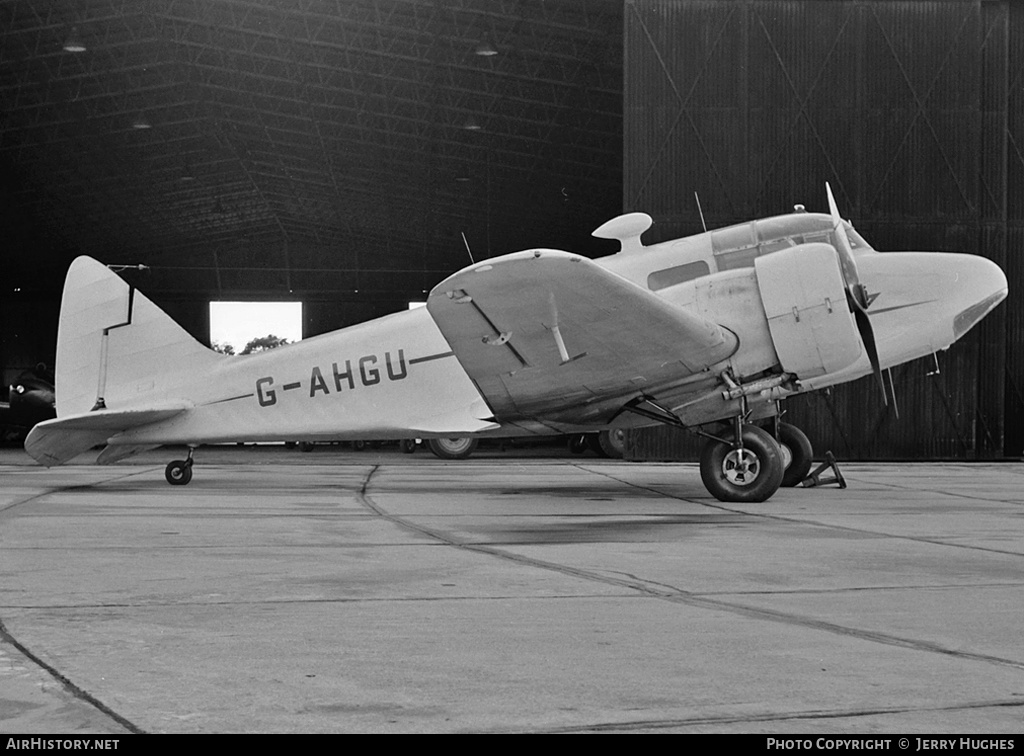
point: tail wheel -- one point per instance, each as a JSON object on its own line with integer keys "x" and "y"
{"x": 178, "y": 472}
{"x": 751, "y": 473}
{"x": 452, "y": 448}
{"x": 797, "y": 454}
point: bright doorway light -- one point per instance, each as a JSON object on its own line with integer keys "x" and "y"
{"x": 235, "y": 324}
{"x": 416, "y": 305}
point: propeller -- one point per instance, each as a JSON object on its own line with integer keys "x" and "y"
{"x": 856, "y": 293}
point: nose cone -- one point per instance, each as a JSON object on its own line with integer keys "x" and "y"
{"x": 983, "y": 287}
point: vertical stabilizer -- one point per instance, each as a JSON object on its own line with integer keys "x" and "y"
{"x": 115, "y": 348}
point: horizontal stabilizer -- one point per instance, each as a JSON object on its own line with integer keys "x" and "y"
{"x": 113, "y": 454}
{"x": 54, "y": 442}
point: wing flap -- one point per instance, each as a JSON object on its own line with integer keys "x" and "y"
{"x": 543, "y": 330}
{"x": 54, "y": 442}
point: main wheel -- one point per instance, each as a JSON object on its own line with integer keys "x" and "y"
{"x": 178, "y": 472}
{"x": 612, "y": 442}
{"x": 750, "y": 474}
{"x": 797, "y": 454}
{"x": 452, "y": 448}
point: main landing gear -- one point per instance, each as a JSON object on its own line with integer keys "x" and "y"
{"x": 179, "y": 472}
{"x": 742, "y": 462}
{"x": 747, "y": 469}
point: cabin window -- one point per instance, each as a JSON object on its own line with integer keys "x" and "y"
{"x": 662, "y": 279}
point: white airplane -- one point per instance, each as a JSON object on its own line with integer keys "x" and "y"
{"x": 709, "y": 333}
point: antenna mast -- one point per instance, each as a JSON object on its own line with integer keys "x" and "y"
{"x": 468, "y": 250}
{"x": 701, "y": 212}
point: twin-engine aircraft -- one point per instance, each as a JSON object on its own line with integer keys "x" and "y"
{"x": 709, "y": 333}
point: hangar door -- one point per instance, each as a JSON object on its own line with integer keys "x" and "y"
{"x": 913, "y": 111}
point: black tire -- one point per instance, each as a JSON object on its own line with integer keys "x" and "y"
{"x": 452, "y": 448}
{"x": 750, "y": 474}
{"x": 797, "y": 454}
{"x": 612, "y": 443}
{"x": 178, "y": 472}
{"x": 358, "y": 445}
{"x": 407, "y": 445}
{"x": 305, "y": 446}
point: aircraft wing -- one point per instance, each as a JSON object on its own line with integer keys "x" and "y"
{"x": 54, "y": 442}
{"x": 542, "y": 332}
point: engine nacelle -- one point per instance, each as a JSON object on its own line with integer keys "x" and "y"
{"x": 804, "y": 298}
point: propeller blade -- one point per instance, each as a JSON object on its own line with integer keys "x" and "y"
{"x": 846, "y": 261}
{"x": 867, "y": 335}
{"x": 856, "y": 292}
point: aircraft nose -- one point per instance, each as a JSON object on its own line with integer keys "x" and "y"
{"x": 984, "y": 287}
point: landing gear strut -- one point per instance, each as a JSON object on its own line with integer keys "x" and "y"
{"x": 179, "y": 472}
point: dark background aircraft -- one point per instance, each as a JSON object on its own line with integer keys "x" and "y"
{"x": 29, "y": 401}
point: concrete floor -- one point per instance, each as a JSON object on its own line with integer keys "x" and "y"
{"x": 378, "y": 592}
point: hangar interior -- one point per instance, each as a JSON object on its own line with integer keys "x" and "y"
{"x": 344, "y": 153}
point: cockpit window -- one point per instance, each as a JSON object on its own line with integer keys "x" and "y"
{"x": 732, "y": 238}
{"x": 856, "y": 240}
{"x": 738, "y": 246}
{"x": 662, "y": 279}
{"x": 792, "y": 227}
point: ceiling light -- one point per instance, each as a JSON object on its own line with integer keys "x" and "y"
{"x": 485, "y": 49}
{"x": 74, "y": 42}
{"x": 471, "y": 124}
{"x": 141, "y": 122}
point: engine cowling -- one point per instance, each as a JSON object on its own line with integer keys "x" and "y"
{"x": 804, "y": 297}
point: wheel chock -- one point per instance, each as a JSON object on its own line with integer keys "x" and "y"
{"x": 815, "y": 479}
